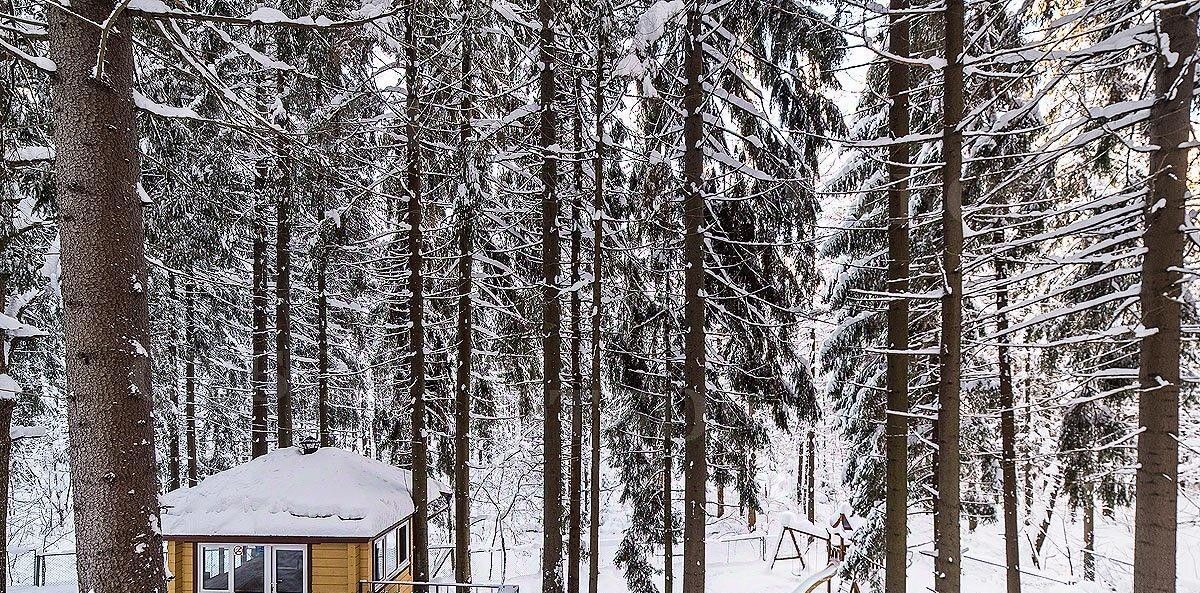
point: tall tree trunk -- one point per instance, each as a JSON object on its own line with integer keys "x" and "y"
{"x": 8, "y": 402}
{"x": 462, "y": 408}
{"x": 1008, "y": 440}
{"x": 695, "y": 462}
{"x": 751, "y": 508}
{"x": 258, "y": 342}
{"x": 597, "y": 309}
{"x": 324, "y": 434}
{"x": 189, "y": 380}
{"x": 464, "y": 327}
{"x": 283, "y": 291}
{"x": 416, "y": 334}
{"x": 258, "y": 299}
{"x": 575, "y": 496}
{"x": 1044, "y": 528}
{"x": 811, "y": 478}
{"x": 811, "y": 451}
{"x": 1027, "y": 477}
{"x": 1156, "y": 506}
{"x": 106, "y": 330}
{"x": 174, "y": 472}
{"x": 324, "y": 186}
{"x": 948, "y": 510}
{"x": 1089, "y": 535}
{"x": 896, "y": 423}
{"x": 258, "y": 292}
{"x": 668, "y": 433}
{"x": 552, "y": 545}
{"x": 800, "y": 481}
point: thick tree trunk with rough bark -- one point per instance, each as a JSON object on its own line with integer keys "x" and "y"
{"x": 948, "y": 506}
{"x": 896, "y": 422}
{"x": 597, "y": 294}
{"x": 106, "y": 331}
{"x": 695, "y": 461}
{"x": 1156, "y": 506}
{"x": 552, "y": 542}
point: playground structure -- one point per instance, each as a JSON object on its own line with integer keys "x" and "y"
{"x": 838, "y": 537}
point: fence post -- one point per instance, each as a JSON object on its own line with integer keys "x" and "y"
{"x": 37, "y": 569}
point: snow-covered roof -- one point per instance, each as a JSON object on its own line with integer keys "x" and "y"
{"x": 328, "y": 493}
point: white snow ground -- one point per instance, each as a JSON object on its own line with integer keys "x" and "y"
{"x": 735, "y": 566}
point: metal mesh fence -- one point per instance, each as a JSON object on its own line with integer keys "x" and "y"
{"x": 32, "y": 568}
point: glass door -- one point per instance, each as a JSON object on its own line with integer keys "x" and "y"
{"x": 289, "y": 571}
{"x": 249, "y": 569}
{"x": 253, "y": 568}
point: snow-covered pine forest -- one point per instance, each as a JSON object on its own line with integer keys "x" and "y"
{"x": 662, "y": 295}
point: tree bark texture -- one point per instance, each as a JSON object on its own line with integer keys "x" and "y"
{"x": 1156, "y": 502}
{"x": 104, "y": 289}
{"x": 896, "y": 423}
{"x": 695, "y": 461}
{"x": 597, "y": 323}
{"x": 416, "y": 296}
{"x": 948, "y": 505}
{"x": 1008, "y": 444}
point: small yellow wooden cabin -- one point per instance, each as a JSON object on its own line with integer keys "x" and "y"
{"x": 320, "y": 520}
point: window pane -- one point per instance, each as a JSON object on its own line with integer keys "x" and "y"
{"x": 249, "y": 569}
{"x": 215, "y": 568}
{"x": 402, "y": 536}
{"x": 289, "y": 571}
{"x": 377, "y": 565}
{"x": 390, "y": 542}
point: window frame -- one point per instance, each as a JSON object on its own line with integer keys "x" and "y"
{"x": 268, "y": 564}
{"x": 379, "y": 557}
{"x": 403, "y": 544}
{"x": 401, "y": 534}
{"x": 305, "y": 587}
{"x": 201, "y": 575}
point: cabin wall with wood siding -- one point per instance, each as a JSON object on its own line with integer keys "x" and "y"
{"x": 181, "y": 565}
{"x": 334, "y": 568}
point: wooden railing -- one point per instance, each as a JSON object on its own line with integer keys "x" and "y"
{"x": 439, "y": 587}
